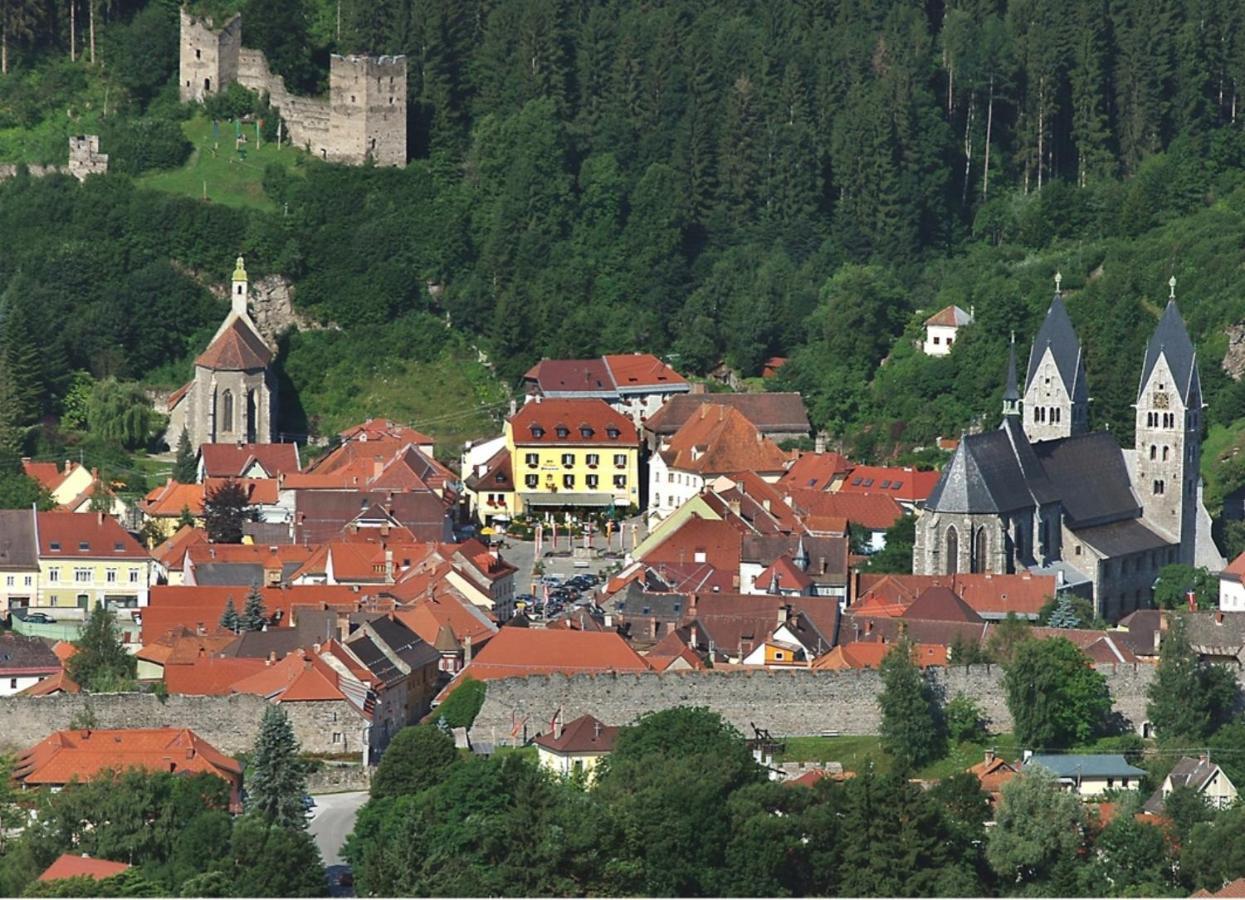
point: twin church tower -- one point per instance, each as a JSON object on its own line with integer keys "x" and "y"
{"x": 1044, "y": 494}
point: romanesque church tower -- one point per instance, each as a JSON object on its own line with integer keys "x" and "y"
{"x": 233, "y": 397}
{"x": 1056, "y": 398}
{"x": 1168, "y": 432}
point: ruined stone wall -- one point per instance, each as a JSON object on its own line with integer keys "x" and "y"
{"x": 794, "y": 702}
{"x": 84, "y": 159}
{"x": 363, "y": 117}
{"x": 229, "y": 723}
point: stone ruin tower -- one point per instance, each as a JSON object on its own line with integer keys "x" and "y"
{"x": 363, "y": 119}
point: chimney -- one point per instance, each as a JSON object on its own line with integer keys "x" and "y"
{"x": 272, "y": 657}
{"x": 467, "y": 649}
{"x": 819, "y": 442}
{"x": 99, "y": 517}
{"x": 315, "y": 648}
{"x": 389, "y": 565}
{"x": 190, "y": 753}
{"x": 1219, "y": 618}
{"x": 596, "y": 729}
{"x": 821, "y": 564}
{"x": 514, "y": 407}
{"x": 692, "y": 637}
{"x": 68, "y": 466}
{"x": 377, "y": 468}
{"x": 990, "y": 755}
{"x": 1028, "y": 755}
{"x": 702, "y": 409}
{"x": 538, "y": 398}
{"x": 784, "y": 613}
{"x": 85, "y": 733}
{"x": 734, "y": 505}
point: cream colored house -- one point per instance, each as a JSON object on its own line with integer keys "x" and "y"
{"x": 575, "y": 748}
{"x": 1201, "y": 775}
{"x": 1089, "y": 774}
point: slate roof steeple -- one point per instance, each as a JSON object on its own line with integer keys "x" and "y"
{"x": 1171, "y": 339}
{"x": 1058, "y": 335}
{"x": 1011, "y": 393}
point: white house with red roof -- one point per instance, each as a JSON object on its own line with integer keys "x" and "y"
{"x": 1232, "y": 587}
{"x": 635, "y": 384}
{"x": 942, "y": 329}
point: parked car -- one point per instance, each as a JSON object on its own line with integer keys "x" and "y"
{"x": 38, "y": 618}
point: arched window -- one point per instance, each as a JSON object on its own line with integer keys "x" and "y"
{"x": 226, "y": 411}
{"x": 953, "y": 551}
{"x": 1166, "y": 450}
{"x": 978, "y": 562}
{"x": 250, "y": 417}
{"x": 1153, "y": 451}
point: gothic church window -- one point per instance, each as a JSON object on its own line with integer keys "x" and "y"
{"x": 226, "y": 415}
{"x": 1154, "y": 451}
{"x": 978, "y": 563}
{"x": 953, "y": 551}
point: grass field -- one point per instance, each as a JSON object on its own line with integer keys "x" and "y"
{"x": 218, "y": 172}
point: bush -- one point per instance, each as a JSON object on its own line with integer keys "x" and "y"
{"x": 965, "y": 721}
{"x": 137, "y": 145}
{"x": 462, "y": 706}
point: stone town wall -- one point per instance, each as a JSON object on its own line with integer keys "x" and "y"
{"x": 228, "y": 723}
{"x": 794, "y": 702}
{"x": 84, "y": 159}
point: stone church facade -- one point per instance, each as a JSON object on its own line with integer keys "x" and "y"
{"x": 233, "y": 396}
{"x": 1042, "y": 493}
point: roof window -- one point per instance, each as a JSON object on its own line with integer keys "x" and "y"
{"x": 563, "y": 431}
{"x": 118, "y": 546}
{"x": 868, "y": 482}
{"x": 896, "y": 485}
{"x": 586, "y": 431}
{"x": 54, "y": 545}
{"x": 613, "y": 433}
{"x": 855, "y": 482}
{"x": 84, "y": 546}
{"x": 537, "y": 431}
{"x": 886, "y": 482}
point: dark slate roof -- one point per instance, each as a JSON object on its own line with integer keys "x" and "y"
{"x": 1171, "y": 339}
{"x": 1011, "y": 391}
{"x": 982, "y": 477}
{"x": 405, "y": 643}
{"x": 634, "y": 602}
{"x": 1037, "y": 480}
{"x": 26, "y": 655}
{"x": 1121, "y": 538}
{"x": 764, "y": 549}
{"x": 320, "y": 515}
{"x": 17, "y": 539}
{"x": 267, "y": 532}
{"x": 220, "y": 574}
{"x": 1092, "y": 477}
{"x": 1058, "y": 335}
{"x": 374, "y": 658}
{"x": 1085, "y": 765}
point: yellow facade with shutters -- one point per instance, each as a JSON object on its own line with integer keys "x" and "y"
{"x": 75, "y": 583}
{"x": 552, "y": 475}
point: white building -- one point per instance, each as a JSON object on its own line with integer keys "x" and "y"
{"x": 1231, "y": 588}
{"x": 941, "y": 329}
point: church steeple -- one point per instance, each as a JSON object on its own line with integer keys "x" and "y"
{"x": 1011, "y": 393}
{"x": 238, "y": 290}
{"x": 1056, "y": 397}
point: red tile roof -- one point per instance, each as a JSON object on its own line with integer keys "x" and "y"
{"x": 65, "y": 535}
{"x": 720, "y": 544}
{"x": 534, "y": 651}
{"x": 784, "y": 575}
{"x": 299, "y": 677}
{"x": 237, "y": 348}
{"x": 571, "y": 375}
{"x": 585, "y": 423}
{"x": 226, "y": 460}
{"x": 68, "y": 865}
{"x": 169, "y": 499}
{"x": 815, "y": 471}
{"x": 906, "y": 485}
{"x": 48, "y": 474}
{"x": 633, "y": 371}
{"x": 988, "y": 594}
{"x": 942, "y": 605}
{"x": 950, "y": 317}
{"x": 67, "y": 755}
{"x": 877, "y": 512}
{"x": 993, "y": 774}
{"x": 377, "y": 429}
{"x": 586, "y": 734}
{"x": 172, "y": 553}
{"x": 192, "y": 606}
{"x": 770, "y": 367}
{"x": 869, "y": 655}
{"x": 720, "y": 440}
{"x": 427, "y": 616}
{"x": 211, "y": 676}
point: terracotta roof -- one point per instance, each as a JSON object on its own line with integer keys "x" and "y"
{"x": 813, "y": 776}
{"x": 581, "y": 422}
{"x": 772, "y": 413}
{"x": 177, "y": 395}
{"x": 59, "y": 683}
{"x": 238, "y": 347}
{"x": 563, "y": 375}
{"x": 448, "y": 610}
{"x": 869, "y": 655}
{"x": 784, "y": 575}
{"x": 172, "y": 552}
{"x": 497, "y": 475}
{"x": 82, "y": 754}
{"x": 531, "y": 651}
{"x": 192, "y": 606}
{"x": 718, "y": 542}
{"x": 299, "y": 677}
{"x": 259, "y": 491}
{"x": 169, "y": 499}
{"x": 950, "y": 317}
{"x": 1231, "y": 889}
{"x": 1235, "y": 570}
{"x": 770, "y": 367}
{"x": 988, "y": 594}
{"x": 586, "y": 734}
{"x": 65, "y": 535}
{"x": 720, "y": 440}
{"x": 993, "y": 773}
{"x": 211, "y": 676}
{"x": 636, "y": 371}
{"x": 324, "y": 515}
{"x": 376, "y": 429}
{"x": 64, "y": 650}
{"x": 815, "y": 471}
{"x": 68, "y": 865}
{"x": 48, "y": 474}
{"x": 877, "y": 512}
{"x": 233, "y": 460}
{"x": 941, "y": 604}
{"x": 906, "y": 485}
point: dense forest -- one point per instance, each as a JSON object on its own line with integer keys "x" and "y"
{"x": 714, "y": 182}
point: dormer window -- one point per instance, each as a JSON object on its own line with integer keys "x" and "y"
{"x": 586, "y": 431}
{"x": 55, "y": 545}
{"x": 119, "y": 547}
{"x": 563, "y": 431}
{"x": 537, "y": 431}
{"x": 83, "y": 546}
{"x": 613, "y": 433}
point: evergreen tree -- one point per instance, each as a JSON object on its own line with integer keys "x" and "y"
{"x": 21, "y": 356}
{"x": 1064, "y": 614}
{"x": 185, "y": 517}
{"x": 1187, "y": 699}
{"x": 277, "y": 780}
{"x": 230, "y": 620}
{"x": 225, "y": 509}
{"x": 417, "y": 758}
{"x": 1055, "y": 696}
{"x": 184, "y": 469}
{"x": 101, "y": 663}
{"x": 254, "y": 616}
{"x": 913, "y": 731}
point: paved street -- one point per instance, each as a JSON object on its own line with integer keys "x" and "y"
{"x": 523, "y": 555}
{"x": 331, "y": 822}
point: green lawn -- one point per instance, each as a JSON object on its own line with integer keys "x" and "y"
{"x": 217, "y": 172}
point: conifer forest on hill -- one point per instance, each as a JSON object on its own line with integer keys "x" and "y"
{"x": 712, "y": 181}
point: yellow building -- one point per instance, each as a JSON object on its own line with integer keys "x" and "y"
{"x": 572, "y": 454}
{"x": 576, "y": 748}
{"x": 87, "y": 559}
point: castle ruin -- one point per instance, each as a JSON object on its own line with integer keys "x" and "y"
{"x": 84, "y": 159}
{"x": 364, "y": 117}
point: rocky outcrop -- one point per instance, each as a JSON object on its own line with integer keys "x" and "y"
{"x": 272, "y": 307}
{"x": 1234, "y": 359}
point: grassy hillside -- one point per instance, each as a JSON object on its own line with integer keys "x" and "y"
{"x": 219, "y": 172}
